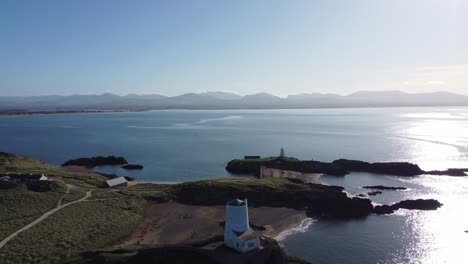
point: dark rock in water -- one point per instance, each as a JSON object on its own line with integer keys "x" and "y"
{"x": 96, "y": 161}
{"x": 383, "y": 209}
{"x": 390, "y": 168}
{"x": 374, "y": 193}
{"x": 420, "y": 204}
{"x": 466, "y": 231}
{"x": 450, "y": 172}
{"x": 381, "y": 187}
{"x": 128, "y": 178}
{"x": 341, "y": 208}
{"x": 132, "y": 167}
{"x": 362, "y": 195}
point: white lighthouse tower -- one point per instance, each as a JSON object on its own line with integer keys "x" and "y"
{"x": 237, "y": 232}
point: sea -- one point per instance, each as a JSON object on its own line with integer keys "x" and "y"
{"x": 183, "y": 145}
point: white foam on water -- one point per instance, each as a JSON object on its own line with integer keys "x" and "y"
{"x": 301, "y": 228}
{"x": 230, "y": 117}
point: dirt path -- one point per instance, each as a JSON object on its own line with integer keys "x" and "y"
{"x": 61, "y": 198}
{"x": 45, "y": 215}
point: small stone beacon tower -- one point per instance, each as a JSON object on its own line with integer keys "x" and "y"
{"x": 282, "y": 155}
{"x": 237, "y": 232}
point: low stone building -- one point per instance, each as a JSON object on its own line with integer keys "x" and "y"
{"x": 117, "y": 182}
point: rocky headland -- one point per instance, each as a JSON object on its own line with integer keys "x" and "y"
{"x": 419, "y": 204}
{"x": 339, "y": 167}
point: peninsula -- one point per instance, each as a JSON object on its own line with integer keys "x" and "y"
{"x": 75, "y": 218}
{"x": 341, "y": 167}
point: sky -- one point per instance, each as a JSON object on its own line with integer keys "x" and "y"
{"x": 244, "y": 46}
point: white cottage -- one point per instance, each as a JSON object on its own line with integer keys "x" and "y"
{"x": 117, "y": 182}
{"x": 237, "y": 232}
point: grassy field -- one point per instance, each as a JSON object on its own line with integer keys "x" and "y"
{"x": 104, "y": 219}
{"x": 21, "y": 206}
{"x": 74, "y": 229}
{"x": 10, "y": 163}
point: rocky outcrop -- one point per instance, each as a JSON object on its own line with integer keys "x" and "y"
{"x": 374, "y": 193}
{"x": 132, "y": 167}
{"x": 450, "y": 172}
{"x": 381, "y": 187}
{"x": 390, "y": 168}
{"x": 420, "y": 204}
{"x": 339, "y": 167}
{"x": 252, "y": 167}
{"x": 318, "y": 200}
{"x": 96, "y": 161}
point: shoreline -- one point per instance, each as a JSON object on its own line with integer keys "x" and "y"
{"x": 30, "y": 113}
{"x": 70, "y": 112}
{"x": 173, "y": 223}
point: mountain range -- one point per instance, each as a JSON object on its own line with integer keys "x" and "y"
{"x": 224, "y": 100}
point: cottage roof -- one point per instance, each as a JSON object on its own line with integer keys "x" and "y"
{"x": 116, "y": 181}
{"x": 247, "y": 235}
{"x": 236, "y": 202}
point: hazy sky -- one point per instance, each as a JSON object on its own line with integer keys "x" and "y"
{"x": 282, "y": 47}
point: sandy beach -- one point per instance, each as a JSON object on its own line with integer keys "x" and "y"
{"x": 173, "y": 223}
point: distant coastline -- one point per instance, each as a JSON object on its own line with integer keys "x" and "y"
{"x": 225, "y": 101}
{"x": 29, "y": 113}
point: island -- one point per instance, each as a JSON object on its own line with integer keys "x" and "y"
{"x": 132, "y": 167}
{"x": 341, "y": 167}
{"x": 96, "y": 161}
{"x": 78, "y": 220}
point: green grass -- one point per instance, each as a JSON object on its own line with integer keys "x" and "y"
{"x": 11, "y": 163}
{"x": 21, "y": 206}
{"x": 80, "y": 227}
{"x": 110, "y": 216}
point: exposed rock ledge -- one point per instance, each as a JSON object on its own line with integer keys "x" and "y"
{"x": 96, "y": 161}
{"x": 381, "y": 187}
{"x": 419, "y": 204}
{"x": 132, "y": 167}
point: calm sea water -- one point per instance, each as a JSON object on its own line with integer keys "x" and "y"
{"x": 188, "y": 145}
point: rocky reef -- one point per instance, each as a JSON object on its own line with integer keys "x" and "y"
{"x": 381, "y": 187}
{"x": 132, "y": 167}
{"x": 96, "y": 161}
{"x": 339, "y": 167}
{"x": 389, "y": 168}
{"x": 420, "y": 204}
